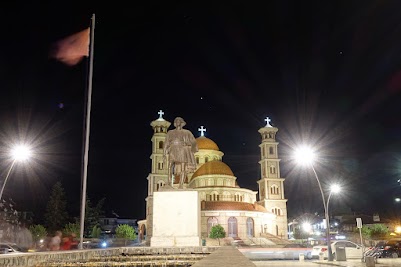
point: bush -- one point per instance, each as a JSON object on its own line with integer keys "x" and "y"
{"x": 125, "y": 231}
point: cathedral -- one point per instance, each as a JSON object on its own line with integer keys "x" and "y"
{"x": 243, "y": 213}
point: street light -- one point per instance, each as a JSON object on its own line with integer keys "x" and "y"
{"x": 18, "y": 153}
{"x": 306, "y": 156}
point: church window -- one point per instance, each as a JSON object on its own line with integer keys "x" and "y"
{"x": 232, "y": 227}
{"x": 211, "y": 221}
{"x": 262, "y": 192}
{"x": 159, "y": 185}
{"x": 202, "y": 182}
{"x": 271, "y": 150}
{"x": 272, "y": 169}
{"x": 263, "y": 152}
{"x": 160, "y": 165}
{"x": 197, "y": 160}
{"x": 161, "y": 145}
{"x": 219, "y": 181}
{"x": 206, "y": 159}
{"x": 214, "y": 196}
{"x": 276, "y": 211}
{"x": 274, "y": 190}
{"x": 210, "y": 182}
{"x": 249, "y": 227}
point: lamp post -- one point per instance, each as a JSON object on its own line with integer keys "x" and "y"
{"x": 306, "y": 156}
{"x": 18, "y": 153}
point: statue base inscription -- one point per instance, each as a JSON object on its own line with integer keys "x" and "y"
{"x": 176, "y": 219}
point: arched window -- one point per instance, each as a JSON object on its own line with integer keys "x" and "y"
{"x": 161, "y": 145}
{"x": 274, "y": 190}
{"x": 197, "y": 160}
{"x": 272, "y": 169}
{"x": 206, "y": 159}
{"x": 249, "y": 227}
{"x": 160, "y": 165}
{"x": 211, "y": 221}
{"x": 271, "y": 150}
{"x": 276, "y": 211}
{"x": 232, "y": 227}
{"x": 215, "y": 196}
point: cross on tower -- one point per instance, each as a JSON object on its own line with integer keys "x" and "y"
{"x": 268, "y": 120}
{"x": 202, "y": 130}
{"x": 161, "y": 113}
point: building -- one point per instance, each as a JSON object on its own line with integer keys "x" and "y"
{"x": 242, "y": 212}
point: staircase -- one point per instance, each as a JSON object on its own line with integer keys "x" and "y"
{"x": 275, "y": 239}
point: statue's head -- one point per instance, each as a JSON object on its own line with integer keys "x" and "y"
{"x": 179, "y": 121}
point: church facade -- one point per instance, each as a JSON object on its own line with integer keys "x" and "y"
{"x": 242, "y": 212}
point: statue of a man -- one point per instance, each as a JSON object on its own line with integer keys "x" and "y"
{"x": 180, "y": 146}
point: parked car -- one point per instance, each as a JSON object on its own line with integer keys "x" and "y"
{"x": 352, "y": 250}
{"x": 6, "y": 248}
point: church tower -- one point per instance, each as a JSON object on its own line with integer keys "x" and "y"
{"x": 158, "y": 176}
{"x": 271, "y": 185}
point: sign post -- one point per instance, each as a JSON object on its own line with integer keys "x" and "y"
{"x": 359, "y": 225}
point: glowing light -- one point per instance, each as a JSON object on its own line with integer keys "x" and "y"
{"x": 21, "y": 153}
{"x": 304, "y": 155}
{"x": 307, "y": 227}
{"x": 335, "y": 188}
{"x": 398, "y": 229}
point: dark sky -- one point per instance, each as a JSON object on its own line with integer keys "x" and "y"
{"x": 326, "y": 73}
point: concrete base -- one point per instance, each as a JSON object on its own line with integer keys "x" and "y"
{"x": 176, "y": 219}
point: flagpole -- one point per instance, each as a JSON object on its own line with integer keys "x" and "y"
{"x": 87, "y": 130}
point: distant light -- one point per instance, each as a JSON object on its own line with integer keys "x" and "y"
{"x": 341, "y": 237}
{"x": 306, "y": 227}
{"x": 398, "y": 229}
{"x": 104, "y": 244}
{"x": 335, "y": 188}
{"x": 397, "y": 199}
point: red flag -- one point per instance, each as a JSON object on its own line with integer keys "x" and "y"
{"x": 72, "y": 49}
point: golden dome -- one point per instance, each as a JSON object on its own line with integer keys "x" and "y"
{"x": 206, "y": 143}
{"x": 213, "y": 167}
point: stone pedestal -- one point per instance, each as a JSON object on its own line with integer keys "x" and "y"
{"x": 176, "y": 218}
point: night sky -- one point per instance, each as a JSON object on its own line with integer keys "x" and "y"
{"x": 327, "y": 73}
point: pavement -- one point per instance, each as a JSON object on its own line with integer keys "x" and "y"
{"x": 231, "y": 257}
{"x": 359, "y": 263}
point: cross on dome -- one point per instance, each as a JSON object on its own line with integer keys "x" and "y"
{"x": 202, "y": 130}
{"x": 161, "y": 113}
{"x": 268, "y": 120}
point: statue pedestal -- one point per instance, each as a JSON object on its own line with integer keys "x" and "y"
{"x": 176, "y": 218}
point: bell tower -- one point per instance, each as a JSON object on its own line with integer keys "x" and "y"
{"x": 271, "y": 185}
{"x": 158, "y": 176}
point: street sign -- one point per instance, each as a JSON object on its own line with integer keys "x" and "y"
{"x": 359, "y": 223}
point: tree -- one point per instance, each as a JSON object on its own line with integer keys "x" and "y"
{"x": 56, "y": 213}
{"x": 125, "y": 231}
{"x": 375, "y": 231}
{"x": 217, "y": 231}
{"x": 96, "y": 231}
{"x": 72, "y": 228}
{"x": 93, "y": 214}
{"x": 38, "y": 232}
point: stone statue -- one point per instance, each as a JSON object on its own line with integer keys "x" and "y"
{"x": 180, "y": 146}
